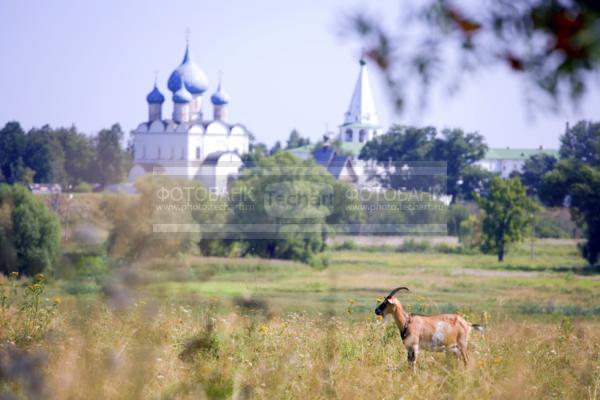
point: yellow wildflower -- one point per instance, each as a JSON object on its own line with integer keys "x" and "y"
{"x": 34, "y": 287}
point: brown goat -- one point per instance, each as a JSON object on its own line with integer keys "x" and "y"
{"x": 440, "y": 332}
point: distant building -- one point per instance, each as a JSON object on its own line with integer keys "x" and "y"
{"x": 189, "y": 145}
{"x": 340, "y": 166}
{"x": 505, "y": 161}
{"x": 361, "y": 124}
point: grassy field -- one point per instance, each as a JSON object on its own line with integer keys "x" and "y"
{"x": 195, "y": 327}
{"x": 551, "y": 283}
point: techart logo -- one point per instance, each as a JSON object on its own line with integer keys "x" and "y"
{"x": 298, "y": 200}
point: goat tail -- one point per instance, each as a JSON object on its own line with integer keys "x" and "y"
{"x": 478, "y": 327}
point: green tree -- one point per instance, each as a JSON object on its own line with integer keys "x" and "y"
{"x": 402, "y": 145}
{"x": 534, "y": 170}
{"x": 276, "y": 148}
{"x": 585, "y": 204}
{"x": 508, "y": 213}
{"x": 577, "y": 185}
{"x": 458, "y": 150}
{"x": 61, "y": 155}
{"x": 29, "y": 232}
{"x": 475, "y": 180}
{"x": 574, "y": 182}
{"x": 295, "y": 140}
{"x": 12, "y": 146}
{"x": 290, "y": 202}
{"x": 256, "y": 151}
{"x": 79, "y": 152}
{"x": 45, "y": 155}
{"x": 581, "y": 142}
{"x": 399, "y": 147}
{"x": 112, "y": 160}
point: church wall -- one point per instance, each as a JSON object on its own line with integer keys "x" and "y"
{"x": 173, "y": 146}
{"x": 214, "y": 143}
{"x": 238, "y": 144}
{"x": 196, "y": 148}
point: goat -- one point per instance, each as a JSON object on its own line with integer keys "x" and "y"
{"x": 438, "y": 332}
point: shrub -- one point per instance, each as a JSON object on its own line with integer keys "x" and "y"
{"x": 469, "y": 234}
{"x": 457, "y": 213}
{"x": 547, "y": 229}
{"x": 29, "y": 232}
{"x": 82, "y": 187}
{"x": 132, "y": 235}
{"x": 319, "y": 262}
{"x": 445, "y": 248}
{"x": 414, "y": 246}
{"x": 347, "y": 245}
{"x": 555, "y": 223}
{"x": 88, "y": 275}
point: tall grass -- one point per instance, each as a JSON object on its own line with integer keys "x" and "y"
{"x": 190, "y": 327}
{"x": 208, "y": 351}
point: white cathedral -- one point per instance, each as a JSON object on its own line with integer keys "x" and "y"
{"x": 188, "y": 145}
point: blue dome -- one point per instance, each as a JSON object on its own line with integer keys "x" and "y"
{"x": 220, "y": 97}
{"x": 155, "y": 96}
{"x": 194, "y": 78}
{"x": 182, "y": 96}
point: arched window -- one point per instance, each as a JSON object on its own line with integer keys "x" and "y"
{"x": 348, "y": 135}
{"x": 143, "y": 152}
{"x": 362, "y": 135}
{"x": 198, "y": 153}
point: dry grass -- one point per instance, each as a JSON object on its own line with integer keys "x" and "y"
{"x": 184, "y": 328}
{"x": 97, "y": 353}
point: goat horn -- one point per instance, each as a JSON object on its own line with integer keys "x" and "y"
{"x": 393, "y": 292}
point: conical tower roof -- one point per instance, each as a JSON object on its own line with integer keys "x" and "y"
{"x": 362, "y": 106}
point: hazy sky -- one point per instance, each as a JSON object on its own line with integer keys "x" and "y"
{"x": 91, "y": 63}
